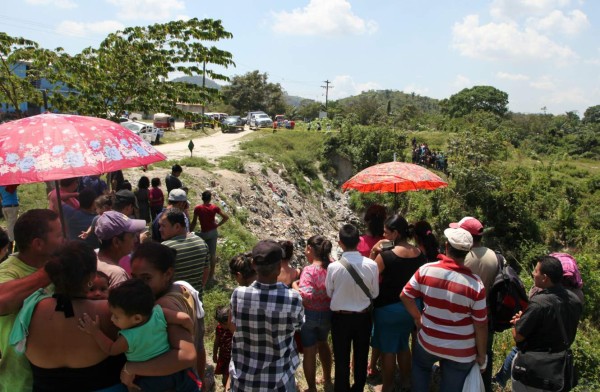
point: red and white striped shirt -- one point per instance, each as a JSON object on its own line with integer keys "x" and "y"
{"x": 454, "y": 300}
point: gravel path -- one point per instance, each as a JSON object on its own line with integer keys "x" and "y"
{"x": 208, "y": 147}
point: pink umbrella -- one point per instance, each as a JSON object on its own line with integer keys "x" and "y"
{"x": 50, "y": 147}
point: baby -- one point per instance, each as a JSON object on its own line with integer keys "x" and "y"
{"x": 143, "y": 334}
{"x": 99, "y": 287}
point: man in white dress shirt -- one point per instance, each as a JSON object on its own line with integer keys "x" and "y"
{"x": 351, "y": 320}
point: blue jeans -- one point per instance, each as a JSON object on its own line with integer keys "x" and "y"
{"x": 504, "y": 374}
{"x": 453, "y": 373}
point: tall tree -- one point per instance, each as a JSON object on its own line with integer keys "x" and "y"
{"x": 468, "y": 100}
{"x": 22, "y": 65}
{"x": 129, "y": 70}
{"x": 592, "y": 115}
{"x": 252, "y": 91}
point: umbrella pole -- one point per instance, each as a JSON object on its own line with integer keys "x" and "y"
{"x": 60, "y": 209}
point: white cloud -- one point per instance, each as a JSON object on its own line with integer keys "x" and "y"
{"x": 513, "y": 77}
{"x": 495, "y": 41}
{"x": 345, "y": 86}
{"x": 66, "y": 4}
{"x": 461, "y": 82}
{"x": 79, "y": 29}
{"x": 413, "y": 88}
{"x": 570, "y": 97}
{"x": 322, "y": 17}
{"x": 515, "y": 9}
{"x": 557, "y": 22}
{"x": 543, "y": 83}
{"x": 147, "y": 9}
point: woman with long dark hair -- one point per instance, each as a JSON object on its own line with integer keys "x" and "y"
{"x": 374, "y": 218}
{"x": 392, "y": 323}
{"x": 317, "y": 313}
{"x": 426, "y": 240}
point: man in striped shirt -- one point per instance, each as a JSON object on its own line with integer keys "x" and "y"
{"x": 453, "y": 325}
{"x": 191, "y": 265}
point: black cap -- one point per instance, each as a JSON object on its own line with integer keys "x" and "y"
{"x": 126, "y": 196}
{"x": 267, "y": 252}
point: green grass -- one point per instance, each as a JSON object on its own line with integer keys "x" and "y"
{"x": 296, "y": 152}
{"x": 233, "y": 163}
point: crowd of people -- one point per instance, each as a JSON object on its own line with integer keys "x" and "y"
{"x": 118, "y": 303}
{"x": 423, "y": 155}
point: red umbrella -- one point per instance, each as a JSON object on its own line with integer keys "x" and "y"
{"x": 50, "y": 147}
{"x": 394, "y": 177}
{"x": 55, "y": 146}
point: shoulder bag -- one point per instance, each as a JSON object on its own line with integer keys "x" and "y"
{"x": 547, "y": 370}
{"x": 358, "y": 280}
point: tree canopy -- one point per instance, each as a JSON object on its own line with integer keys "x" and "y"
{"x": 468, "y": 100}
{"x": 252, "y": 91}
{"x": 22, "y": 64}
{"x": 129, "y": 70}
{"x": 592, "y": 115}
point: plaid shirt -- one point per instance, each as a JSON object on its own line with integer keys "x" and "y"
{"x": 263, "y": 355}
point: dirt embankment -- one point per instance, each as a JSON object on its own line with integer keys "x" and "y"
{"x": 274, "y": 206}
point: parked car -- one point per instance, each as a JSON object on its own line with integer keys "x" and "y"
{"x": 149, "y": 133}
{"x": 232, "y": 124}
{"x": 261, "y": 120}
{"x": 249, "y": 116}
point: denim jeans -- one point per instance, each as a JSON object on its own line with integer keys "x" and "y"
{"x": 504, "y": 374}
{"x": 453, "y": 373}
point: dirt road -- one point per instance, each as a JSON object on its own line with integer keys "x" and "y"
{"x": 208, "y": 147}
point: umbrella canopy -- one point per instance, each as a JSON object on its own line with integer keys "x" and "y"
{"x": 55, "y": 146}
{"x": 394, "y": 177}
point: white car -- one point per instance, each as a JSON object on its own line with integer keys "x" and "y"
{"x": 261, "y": 120}
{"x": 148, "y": 132}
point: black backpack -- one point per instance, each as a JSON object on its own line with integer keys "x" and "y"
{"x": 507, "y": 296}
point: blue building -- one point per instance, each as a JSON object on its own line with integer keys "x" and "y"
{"x": 28, "y": 108}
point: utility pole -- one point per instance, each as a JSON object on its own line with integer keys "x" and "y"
{"x": 326, "y": 87}
{"x": 203, "y": 91}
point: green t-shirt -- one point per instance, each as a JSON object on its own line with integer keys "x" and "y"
{"x": 148, "y": 340}
{"x": 15, "y": 372}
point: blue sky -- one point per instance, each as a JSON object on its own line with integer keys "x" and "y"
{"x": 541, "y": 52}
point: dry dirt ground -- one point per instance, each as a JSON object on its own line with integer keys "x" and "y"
{"x": 209, "y": 147}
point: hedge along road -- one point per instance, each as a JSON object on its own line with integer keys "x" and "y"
{"x": 208, "y": 147}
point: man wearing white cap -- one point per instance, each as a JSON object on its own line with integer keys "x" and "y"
{"x": 452, "y": 328}
{"x": 483, "y": 262}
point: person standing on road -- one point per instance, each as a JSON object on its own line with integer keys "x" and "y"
{"x": 206, "y": 213}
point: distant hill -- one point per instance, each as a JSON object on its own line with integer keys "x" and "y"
{"x": 197, "y": 80}
{"x": 398, "y": 99}
{"x": 293, "y": 100}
